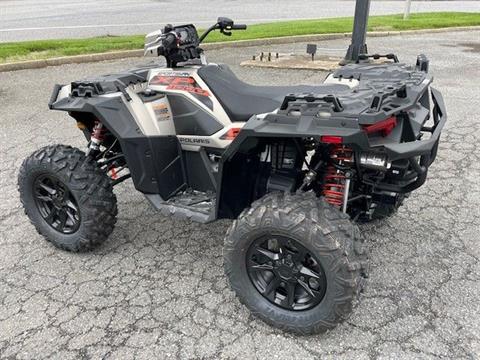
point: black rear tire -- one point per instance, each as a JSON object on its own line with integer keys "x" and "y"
{"x": 327, "y": 234}
{"x": 89, "y": 191}
{"x": 384, "y": 211}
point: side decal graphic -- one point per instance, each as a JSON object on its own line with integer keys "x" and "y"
{"x": 180, "y": 83}
{"x": 161, "y": 111}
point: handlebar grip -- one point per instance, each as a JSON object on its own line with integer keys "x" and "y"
{"x": 239, "y": 27}
{"x": 169, "y": 40}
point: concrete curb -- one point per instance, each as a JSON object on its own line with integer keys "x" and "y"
{"x": 36, "y": 64}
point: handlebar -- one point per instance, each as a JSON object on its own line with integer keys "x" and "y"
{"x": 225, "y": 25}
{"x": 169, "y": 40}
{"x": 181, "y": 43}
{"x": 239, "y": 27}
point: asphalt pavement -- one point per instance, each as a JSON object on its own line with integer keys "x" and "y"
{"x": 156, "y": 288}
{"x": 59, "y": 19}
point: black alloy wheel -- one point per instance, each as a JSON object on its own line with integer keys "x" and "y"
{"x": 67, "y": 197}
{"x": 296, "y": 262}
{"x": 286, "y": 273}
{"x": 56, "y": 204}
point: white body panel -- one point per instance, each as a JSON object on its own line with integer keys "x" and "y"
{"x": 217, "y": 111}
{"x": 155, "y": 118}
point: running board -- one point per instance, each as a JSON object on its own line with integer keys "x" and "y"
{"x": 190, "y": 204}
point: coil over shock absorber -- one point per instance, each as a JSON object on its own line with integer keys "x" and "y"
{"x": 337, "y": 182}
{"x": 98, "y": 134}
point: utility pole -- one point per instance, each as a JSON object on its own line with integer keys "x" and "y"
{"x": 406, "y": 12}
{"x": 359, "y": 34}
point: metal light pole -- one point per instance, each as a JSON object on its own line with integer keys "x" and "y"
{"x": 359, "y": 34}
{"x": 406, "y": 12}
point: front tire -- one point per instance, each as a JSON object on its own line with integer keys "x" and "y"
{"x": 68, "y": 199}
{"x": 308, "y": 263}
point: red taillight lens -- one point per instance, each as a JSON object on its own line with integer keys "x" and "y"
{"x": 231, "y": 134}
{"x": 329, "y": 139}
{"x": 385, "y": 127}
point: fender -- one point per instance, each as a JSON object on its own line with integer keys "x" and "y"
{"x": 152, "y": 160}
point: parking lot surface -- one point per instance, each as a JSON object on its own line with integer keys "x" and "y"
{"x": 59, "y": 19}
{"x": 156, "y": 289}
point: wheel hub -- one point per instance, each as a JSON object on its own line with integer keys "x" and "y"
{"x": 57, "y": 200}
{"x": 286, "y": 273}
{"x": 56, "y": 204}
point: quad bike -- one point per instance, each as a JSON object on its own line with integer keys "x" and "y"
{"x": 294, "y": 166}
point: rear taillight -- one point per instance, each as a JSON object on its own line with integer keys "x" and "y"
{"x": 231, "y": 134}
{"x": 384, "y": 127}
{"x": 330, "y": 139}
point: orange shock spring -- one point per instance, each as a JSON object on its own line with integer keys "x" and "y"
{"x": 98, "y": 132}
{"x": 334, "y": 187}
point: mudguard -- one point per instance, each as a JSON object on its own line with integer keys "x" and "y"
{"x": 155, "y": 162}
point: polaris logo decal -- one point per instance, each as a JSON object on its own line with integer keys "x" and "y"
{"x": 193, "y": 141}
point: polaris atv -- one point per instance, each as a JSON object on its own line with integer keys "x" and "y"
{"x": 294, "y": 166}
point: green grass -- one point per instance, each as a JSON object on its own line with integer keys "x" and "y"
{"x": 43, "y": 49}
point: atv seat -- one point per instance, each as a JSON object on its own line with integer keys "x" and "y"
{"x": 241, "y": 100}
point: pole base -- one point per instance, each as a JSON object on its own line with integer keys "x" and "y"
{"x": 353, "y": 52}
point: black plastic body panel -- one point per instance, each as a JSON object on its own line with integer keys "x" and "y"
{"x": 235, "y": 177}
{"x": 53, "y": 97}
{"x": 155, "y": 162}
{"x": 156, "y": 165}
{"x": 190, "y": 119}
{"x": 421, "y": 147}
{"x": 199, "y": 175}
{"x": 284, "y": 125}
{"x": 110, "y": 83}
{"x": 287, "y": 126}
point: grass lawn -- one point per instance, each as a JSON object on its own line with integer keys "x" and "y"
{"x": 43, "y": 49}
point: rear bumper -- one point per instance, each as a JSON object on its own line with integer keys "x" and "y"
{"x": 421, "y": 153}
{"x": 423, "y": 147}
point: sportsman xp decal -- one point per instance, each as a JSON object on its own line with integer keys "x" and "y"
{"x": 181, "y": 83}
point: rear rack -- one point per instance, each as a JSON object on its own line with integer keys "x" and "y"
{"x": 380, "y": 97}
{"x": 309, "y": 98}
{"x": 107, "y": 84}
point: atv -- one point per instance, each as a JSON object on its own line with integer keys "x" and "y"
{"x": 295, "y": 166}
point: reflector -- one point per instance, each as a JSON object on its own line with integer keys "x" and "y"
{"x": 329, "y": 139}
{"x": 385, "y": 126}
